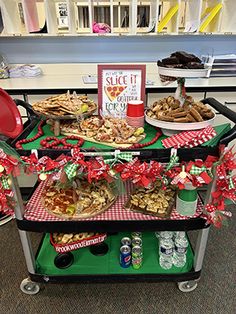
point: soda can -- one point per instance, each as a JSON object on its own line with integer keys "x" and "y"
{"x": 136, "y": 235}
{"x": 137, "y": 257}
{"x": 137, "y": 241}
{"x": 125, "y": 256}
{"x": 125, "y": 241}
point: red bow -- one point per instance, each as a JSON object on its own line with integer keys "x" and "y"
{"x": 9, "y": 163}
{"x": 97, "y": 170}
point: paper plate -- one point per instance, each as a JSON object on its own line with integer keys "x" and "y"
{"x": 10, "y": 118}
{"x": 172, "y": 72}
{"x": 170, "y": 128}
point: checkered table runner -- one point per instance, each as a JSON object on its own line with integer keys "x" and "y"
{"x": 36, "y": 212}
{"x": 189, "y": 139}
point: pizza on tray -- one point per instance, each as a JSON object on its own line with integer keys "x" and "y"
{"x": 86, "y": 200}
{"x": 107, "y": 130}
{"x": 114, "y": 91}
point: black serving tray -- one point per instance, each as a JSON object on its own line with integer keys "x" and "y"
{"x": 161, "y": 155}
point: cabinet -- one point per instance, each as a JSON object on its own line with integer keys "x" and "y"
{"x": 124, "y": 17}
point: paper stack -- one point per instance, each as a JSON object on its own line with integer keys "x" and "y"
{"x": 26, "y": 70}
{"x": 221, "y": 65}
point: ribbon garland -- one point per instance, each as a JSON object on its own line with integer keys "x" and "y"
{"x": 140, "y": 173}
{"x": 119, "y": 157}
{"x": 215, "y": 212}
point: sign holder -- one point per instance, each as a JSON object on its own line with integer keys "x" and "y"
{"x": 117, "y": 85}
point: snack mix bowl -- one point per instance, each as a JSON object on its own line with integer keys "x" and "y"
{"x": 171, "y": 128}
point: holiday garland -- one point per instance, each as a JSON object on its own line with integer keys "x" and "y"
{"x": 66, "y": 168}
{"x": 225, "y": 188}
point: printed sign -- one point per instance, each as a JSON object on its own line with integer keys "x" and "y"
{"x": 117, "y": 85}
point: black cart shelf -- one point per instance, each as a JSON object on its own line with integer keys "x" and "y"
{"x": 187, "y": 279}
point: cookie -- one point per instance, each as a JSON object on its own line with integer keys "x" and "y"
{"x": 181, "y": 120}
{"x": 196, "y": 115}
{"x": 185, "y": 57}
{"x": 179, "y": 114}
{"x": 170, "y": 60}
{"x": 163, "y": 117}
{"x": 190, "y": 118}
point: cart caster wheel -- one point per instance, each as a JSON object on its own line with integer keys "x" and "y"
{"x": 29, "y": 287}
{"x": 187, "y": 286}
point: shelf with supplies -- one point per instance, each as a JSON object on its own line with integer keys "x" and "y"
{"x": 71, "y": 17}
{"x": 106, "y": 268}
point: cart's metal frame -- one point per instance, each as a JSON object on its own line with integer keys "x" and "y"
{"x": 191, "y": 278}
{"x": 30, "y": 257}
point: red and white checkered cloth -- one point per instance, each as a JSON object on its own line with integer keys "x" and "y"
{"x": 189, "y": 139}
{"x": 35, "y": 210}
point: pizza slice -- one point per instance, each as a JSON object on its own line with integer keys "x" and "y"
{"x": 114, "y": 91}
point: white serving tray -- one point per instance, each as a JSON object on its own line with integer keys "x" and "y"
{"x": 172, "y": 72}
{"x": 170, "y": 128}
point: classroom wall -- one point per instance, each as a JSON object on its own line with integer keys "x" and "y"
{"x": 110, "y": 48}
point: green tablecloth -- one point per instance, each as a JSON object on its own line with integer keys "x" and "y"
{"x": 149, "y": 130}
{"x": 86, "y": 263}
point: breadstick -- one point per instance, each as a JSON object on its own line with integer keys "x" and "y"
{"x": 190, "y": 118}
{"x": 196, "y": 115}
{"x": 179, "y": 114}
{"x": 181, "y": 120}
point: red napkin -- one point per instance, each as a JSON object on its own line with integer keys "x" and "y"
{"x": 189, "y": 138}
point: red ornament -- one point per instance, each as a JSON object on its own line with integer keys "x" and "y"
{"x": 154, "y": 140}
{"x": 24, "y": 141}
{"x": 79, "y": 140}
{"x": 47, "y": 142}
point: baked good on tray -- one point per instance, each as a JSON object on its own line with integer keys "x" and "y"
{"x": 170, "y": 110}
{"x": 106, "y": 130}
{"x": 156, "y": 201}
{"x": 87, "y": 200}
{"x": 66, "y": 238}
{"x": 181, "y": 60}
{"x": 65, "y": 104}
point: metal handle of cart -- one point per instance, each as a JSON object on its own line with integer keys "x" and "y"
{"x": 226, "y": 112}
{"x": 203, "y": 233}
{"x": 26, "y": 106}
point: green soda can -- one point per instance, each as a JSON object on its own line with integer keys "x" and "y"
{"x": 137, "y": 257}
{"x": 136, "y": 235}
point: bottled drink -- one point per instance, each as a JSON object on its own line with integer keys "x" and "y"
{"x": 166, "y": 234}
{"x": 181, "y": 245}
{"x": 166, "y": 248}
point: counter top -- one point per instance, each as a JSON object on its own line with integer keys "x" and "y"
{"x": 69, "y": 76}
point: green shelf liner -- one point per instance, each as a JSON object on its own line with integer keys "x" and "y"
{"x": 86, "y": 263}
{"x": 149, "y": 130}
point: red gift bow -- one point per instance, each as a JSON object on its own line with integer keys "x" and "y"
{"x": 142, "y": 174}
{"x": 97, "y": 170}
{"x": 45, "y": 163}
{"x": 214, "y": 216}
{"x": 215, "y": 211}
{"x": 9, "y": 163}
{"x": 4, "y": 201}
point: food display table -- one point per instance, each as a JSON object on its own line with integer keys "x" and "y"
{"x": 116, "y": 222}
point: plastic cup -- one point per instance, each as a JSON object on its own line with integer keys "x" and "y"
{"x": 135, "y": 108}
{"x": 135, "y": 122}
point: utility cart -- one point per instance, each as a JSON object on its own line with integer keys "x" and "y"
{"x": 116, "y": 223}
